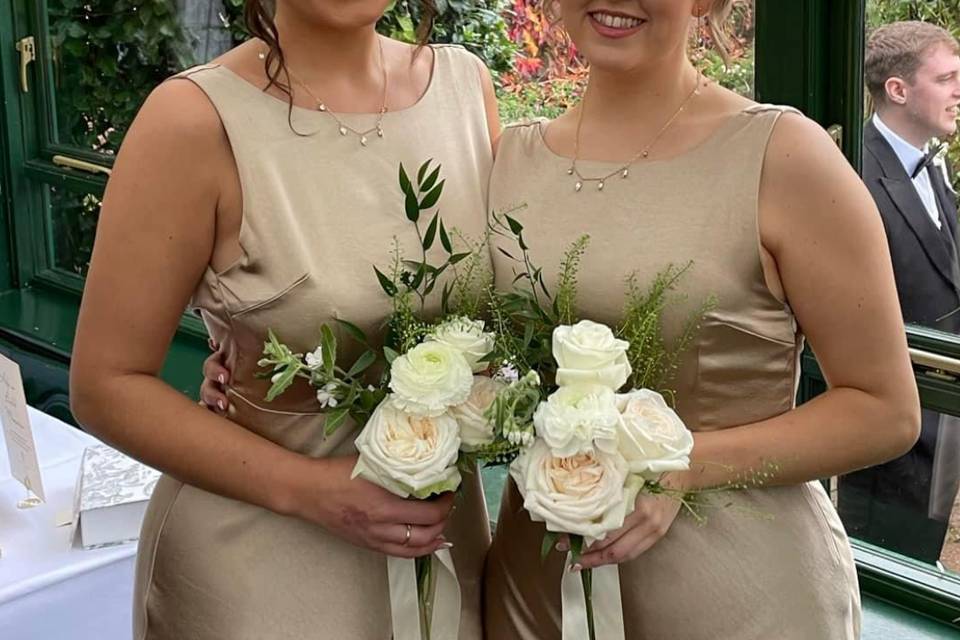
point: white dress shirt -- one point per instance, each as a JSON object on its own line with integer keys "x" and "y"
{"x": 910, "y": 157}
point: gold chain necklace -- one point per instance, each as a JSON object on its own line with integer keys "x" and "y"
{"x": 342, "y": 127}
{"x": 624, "y": 170}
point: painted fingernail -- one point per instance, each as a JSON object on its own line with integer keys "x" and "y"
{"x": 222, "y": 405}
{"x": 446, "y": 545}
{"x": 221, "y": 379}
{"x": 576, "y": 567}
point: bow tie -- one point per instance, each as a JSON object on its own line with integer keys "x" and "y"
{"x": 927, "y": 160}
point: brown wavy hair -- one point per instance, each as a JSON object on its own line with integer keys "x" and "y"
{"x": 259, "y": 18}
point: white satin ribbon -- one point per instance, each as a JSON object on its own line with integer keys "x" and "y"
{"x": 404, "y": 604}
{"x": 606, "y": 599}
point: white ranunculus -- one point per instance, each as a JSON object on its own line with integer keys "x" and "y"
{"x": 588, "y": 494}
{"x": 653, "y": 438}
{"x": 577, "y": 419}
{"x": 430, "y": 378}
{"x": 468, "y": 337}
{"x": 589, "y": 353}
{"x": 409, "y": 455}
{"x": 475, "y": 429}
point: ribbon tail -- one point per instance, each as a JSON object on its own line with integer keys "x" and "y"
{"x": 574, "y": 603}
{"x": 445, "y": 621}
{"x": 607, "y": 603}
{"x": 404, "y": 605}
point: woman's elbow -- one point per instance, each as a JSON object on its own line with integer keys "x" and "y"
{"x": 904, "y": 426}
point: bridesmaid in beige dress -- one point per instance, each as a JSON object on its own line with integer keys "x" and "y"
{"x": 785, "y": 236}
{"x": 262, "y": 210}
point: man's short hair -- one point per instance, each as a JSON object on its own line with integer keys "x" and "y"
{"x": 897, "y": 50}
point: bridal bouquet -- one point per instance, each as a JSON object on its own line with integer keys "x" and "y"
{"x": 424, "y": 418}
{"x": 593, "y": 428}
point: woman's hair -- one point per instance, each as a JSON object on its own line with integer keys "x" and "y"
{"x": 258, "y": 15}
{"x": 717, "y": 25}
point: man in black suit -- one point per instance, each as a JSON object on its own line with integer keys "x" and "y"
{"x": 913, "y": 75}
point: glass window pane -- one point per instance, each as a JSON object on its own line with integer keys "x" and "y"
{"x": 73, "y": 223}
{"x": 910, "y": 505}
{"x": 108, "y": 55}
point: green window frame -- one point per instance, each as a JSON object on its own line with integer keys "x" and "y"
{"x": 809, "y": 55}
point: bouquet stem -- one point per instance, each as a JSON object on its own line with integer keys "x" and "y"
{"x": 587, "y": 576}
{"x": 425, "y": 588}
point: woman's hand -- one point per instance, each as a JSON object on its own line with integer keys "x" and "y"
{"x": 366, "y": 515}
{"x": 215, "y": 379}
{"x": 650, "y": 521}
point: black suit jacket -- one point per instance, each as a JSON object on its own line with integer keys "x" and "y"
{"x": 925, "y": 261}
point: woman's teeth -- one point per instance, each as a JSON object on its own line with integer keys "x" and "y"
{"x": 616, "y": 22}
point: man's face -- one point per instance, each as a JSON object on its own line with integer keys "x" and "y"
{"x": 933, "y": 97}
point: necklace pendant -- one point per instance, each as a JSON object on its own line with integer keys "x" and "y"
{"x": 321, "y": 107}
{"x": 626, "y": 173}
{"x": 645, "y": 154}
{"x": 600, "y": 186}
{"x": 379, "y": 131}
{"x": 578, "y": 186}
{"x": 363, "y": 141}
{"x": 343, "y": 131}
{"x": 570, "y": 171}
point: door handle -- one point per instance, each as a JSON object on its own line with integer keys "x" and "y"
{"x": 82, "y": 165}
{"x": 28, "y": 53}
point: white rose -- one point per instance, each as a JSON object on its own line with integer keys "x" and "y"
{"x": 475, "y": 429}
{"x": 653, "y": 438}
{"x": 409, "y": 455}
{"x": 589, "y": 353}
{"x": 430, "y": 378}
{"x": 578, "y": 418}
{"x": 587, "y": 494}
{"x": 466, "y": 336}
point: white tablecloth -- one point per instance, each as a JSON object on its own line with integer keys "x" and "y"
{"x": 49, "y": 588}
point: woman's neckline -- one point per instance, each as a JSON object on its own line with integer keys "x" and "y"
{"x": 713, "y": 136}
{"x": 428, "y": 91}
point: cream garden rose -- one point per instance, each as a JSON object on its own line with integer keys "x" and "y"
{"x": 409, "y": 455}
{"x": 578, "y": 419}
{"x": 468, "y": 337}
{"x": 587, "y": 494}
{"x": 475, "y": 429}
{"x": 589, "y": 353}
{"x": 430, "y": 378}
{"x": 653, "y": 438}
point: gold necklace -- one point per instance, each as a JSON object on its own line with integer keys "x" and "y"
{"x": 624, "y": 170}
{"x": 341, "y": 126}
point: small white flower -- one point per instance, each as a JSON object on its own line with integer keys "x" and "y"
{"x": 325, "y": 395}
{"x": 275, "y": 377}
{"x": 508, "y": 373}
{"x": 315, "y": 359}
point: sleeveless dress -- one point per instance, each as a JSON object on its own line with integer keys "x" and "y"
{"x": 319, "y": 211}
{"x": 776, "y": 563}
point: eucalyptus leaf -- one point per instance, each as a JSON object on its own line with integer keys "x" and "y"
{"x": 433, "y": 197}
{"x": 386, "y": 283}
{"x": 445, "y": 239}
{"x": 334, "y": 419}
{"x": 362, "y": 364}
{"x": 329, "y": 343}
{"x": 355, "y": 332}
{"x": 431, "y": 180}
{"x": 431, "y": 232}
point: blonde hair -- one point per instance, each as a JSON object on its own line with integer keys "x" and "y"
{"x": 717, "y": 24}
{"x": 896, "y": 51}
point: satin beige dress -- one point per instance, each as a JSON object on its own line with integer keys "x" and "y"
{"x": 319, "y": 211}
{"x": 776, "y": 563}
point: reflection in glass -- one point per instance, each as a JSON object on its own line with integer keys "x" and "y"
{"x": 910, "y": 505}
{"x": 109, "y": 54}
{"x": 73, "y": 223}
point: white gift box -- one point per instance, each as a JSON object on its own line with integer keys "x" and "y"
{"x": 111, "y": 497}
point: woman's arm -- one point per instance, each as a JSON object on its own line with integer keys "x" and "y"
{"x": 822, "y": 230}
{"x": 154, "y": 239}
